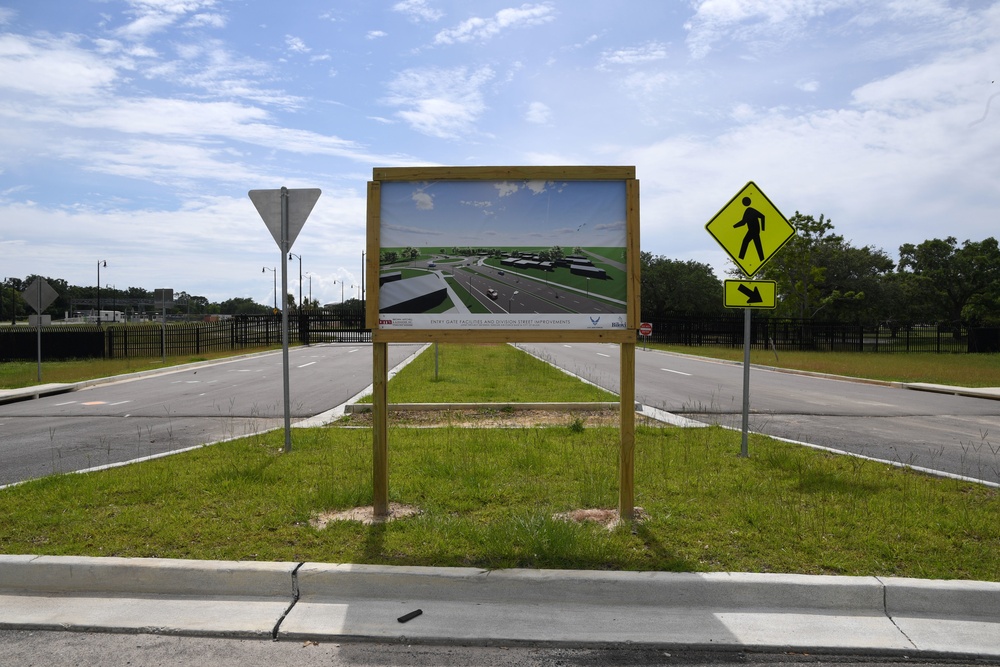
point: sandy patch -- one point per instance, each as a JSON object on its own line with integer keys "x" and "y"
{"x": 365, "y": 515}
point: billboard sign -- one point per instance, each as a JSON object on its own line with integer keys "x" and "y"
{"x": 534, "y": 252}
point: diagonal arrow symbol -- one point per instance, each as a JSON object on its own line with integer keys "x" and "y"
{"x": 753, "y": 296}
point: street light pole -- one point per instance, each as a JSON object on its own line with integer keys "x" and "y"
{"x": 290, "y": 255}
{"x": 105, "y": 262}
{"x": 275, "y": 272}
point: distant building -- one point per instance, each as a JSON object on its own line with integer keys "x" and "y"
{"x": 589, "y": 271}
{"x": 412, "y": 295}
{"x": 384, "y": 278}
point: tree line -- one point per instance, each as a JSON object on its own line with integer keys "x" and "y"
{"x": 821, "y": 276}
{"x": 818, "y": 274}
{"x": 134, "y": 301}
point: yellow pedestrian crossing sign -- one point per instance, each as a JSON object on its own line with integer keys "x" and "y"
{"x": 750, "y": 293}
{"x": 750, "y": 229}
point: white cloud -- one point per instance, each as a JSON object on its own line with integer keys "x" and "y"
{"x": 478, "y": 29}
{"x": 418, "y": 10}
{"x": 538, "y": 112}
{"x": 753, "y": 21}
{"x": 424, "y": 201}
{"x": 52, "y": 67}
{"x": 442, "y": 103}
{"x": 296, "y": 45}
{"x": 153, "y": 16}
{"x": 650, "y": 52}
{"x": 376, "y": 34}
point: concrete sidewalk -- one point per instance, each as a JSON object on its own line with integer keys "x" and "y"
{"x": 317, "y": 601}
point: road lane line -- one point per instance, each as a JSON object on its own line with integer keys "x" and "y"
{"x": 601, "y": 354}
{"x": 309, "y": 364}
{"x": 677, "y": 372}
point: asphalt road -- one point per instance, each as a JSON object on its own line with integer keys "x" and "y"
{"x": 31, "y": 649}
{"x": 518, "y": 293}
{"x": 124, "y": 420}
{"x": 954, "y": 434}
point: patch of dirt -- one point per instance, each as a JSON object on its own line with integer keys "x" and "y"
{"x": 605, "y": 517}
{"x": 491, "y": 418}
{"x": 365, "y": 515}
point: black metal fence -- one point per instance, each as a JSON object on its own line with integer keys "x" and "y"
{"x": 19, "y": 343}
{"x": 791, "y": 334}
{"x": 118, "y": 341}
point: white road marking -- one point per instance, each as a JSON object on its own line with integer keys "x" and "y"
{"x": 677, "y": 372}
{"x": 601, "y": 354}
{"x": 66, "y": 403}
{"x": 120, "y": 402}
{"x": 309, "y": 364}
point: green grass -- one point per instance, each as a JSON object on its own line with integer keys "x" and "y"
{"x": 488, "y": 499}
{"x": 487, "y": 374}
{"x": 964, "y": 370}
{"x": 15, "y": 374}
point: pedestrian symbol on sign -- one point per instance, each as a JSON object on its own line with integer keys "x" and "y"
{"x": 741, "y": 224}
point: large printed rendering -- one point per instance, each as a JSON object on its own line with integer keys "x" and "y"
{"x": 528, "y": 254}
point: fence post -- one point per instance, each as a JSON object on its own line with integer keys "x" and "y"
{"x": 197, "y": 340}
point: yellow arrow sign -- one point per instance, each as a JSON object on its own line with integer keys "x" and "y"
{"x": 750, "y": 229}
{"x": 751, "y": 293}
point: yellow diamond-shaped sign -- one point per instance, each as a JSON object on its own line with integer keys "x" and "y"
{"x": 750, "y": 229}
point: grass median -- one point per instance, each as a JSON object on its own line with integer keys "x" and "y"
{"x": 508, "y": 497}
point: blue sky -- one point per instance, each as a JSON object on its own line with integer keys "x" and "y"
{"x": 503, "y": 213}
{"x": 132, "y": 130}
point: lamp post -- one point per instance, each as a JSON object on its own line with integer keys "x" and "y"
{"x": 341, "y": 290}
{"x": 290, "y": 255}
{"x": 509, "y": 299}
{"x": 275, "y": 272}
{"x": 309, "y": 276}
{"x": 105, "y": 263}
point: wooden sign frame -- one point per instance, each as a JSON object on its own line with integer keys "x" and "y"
{"x": 625, "y": 337}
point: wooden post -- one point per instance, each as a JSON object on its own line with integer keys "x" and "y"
{"x": 380, "y": 433}
{"x": 626, "y": 457}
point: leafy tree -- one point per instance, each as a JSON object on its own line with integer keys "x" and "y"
{"x": 961, "y": 283}
{"x": 243, "y": 306}
{"x": 675, "y": 288}
{"x": 817, "y": 271}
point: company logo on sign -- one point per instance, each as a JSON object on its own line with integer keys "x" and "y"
{"x": 385, "y": 321}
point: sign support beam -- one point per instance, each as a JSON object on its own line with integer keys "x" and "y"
{"x": 744, "y": 446}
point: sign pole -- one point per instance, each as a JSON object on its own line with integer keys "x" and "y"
{"x": 744, "y": 447}
{"x": 285, "y": 246}
{"x": 38, "y": 326}
{"x": 284, "y": 212}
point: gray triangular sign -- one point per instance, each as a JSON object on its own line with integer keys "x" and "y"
{"x": 300, "y": 205}
{"x": 39, "y": 295}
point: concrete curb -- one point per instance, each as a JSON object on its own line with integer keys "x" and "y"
{"x": 720, "y": 611}
{"x": 147, "y": 595}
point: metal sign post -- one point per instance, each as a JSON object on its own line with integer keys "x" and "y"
{"x": 751, "y": 230}
{"x": 162, "y": 298}
{"x": 39, "y": 295}
{"x": 284, "y": 212}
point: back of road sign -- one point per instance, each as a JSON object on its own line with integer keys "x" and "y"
{"x": 300, "y": 205}
{"x": 750, "y": 229}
